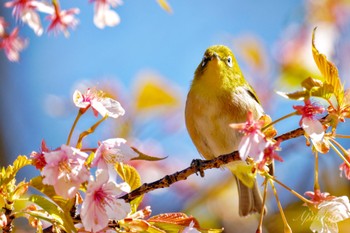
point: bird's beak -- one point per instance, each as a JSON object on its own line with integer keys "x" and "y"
{"x": 215, "y": 56}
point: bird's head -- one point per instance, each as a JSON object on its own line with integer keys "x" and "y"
{"x": 219, "y": 68}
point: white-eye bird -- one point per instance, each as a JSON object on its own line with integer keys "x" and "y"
{"x": 220, "y": 95}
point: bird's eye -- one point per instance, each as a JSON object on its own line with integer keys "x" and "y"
{"x": 229, "y": 61}
{"x": 204, "y": 61}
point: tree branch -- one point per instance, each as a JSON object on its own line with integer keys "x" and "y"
{"x": 199, "y": 165}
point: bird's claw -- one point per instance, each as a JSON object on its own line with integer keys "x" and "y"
{"x": 197, "y": 165}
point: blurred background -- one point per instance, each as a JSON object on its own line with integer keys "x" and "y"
{"x": 147, "y": 63}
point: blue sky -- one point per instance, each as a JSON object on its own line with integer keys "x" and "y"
{"x": 148, "y": 38}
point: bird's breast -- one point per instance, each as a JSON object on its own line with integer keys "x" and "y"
{"x": 208, "y": 120}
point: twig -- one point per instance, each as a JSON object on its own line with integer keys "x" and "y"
{"x": 198, "y": 165}
{"x": 9, "y": 221}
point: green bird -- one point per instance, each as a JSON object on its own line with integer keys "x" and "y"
{"x": 220, "y": 95}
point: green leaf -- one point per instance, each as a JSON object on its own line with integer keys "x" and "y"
{"x": 130, "y": 175}
{"x": 37, "y": 183}
{"x": 2, "y": 201}
{"x": 40, "y": 214}
{"x": 176, "y": 222}
{"x": 59, "y": 217}
{"x": 168, "y": 227}
{"x": 49, "y": 191}
{"x": 173, "y": 228}
{"x": 20, "y": 162}
{"x": 8, "y": 174}
{"x": 143, "y": 156}
{"x": 326, "y": 91}
{"x": 328, "y": 70}
{"x": 172, "y": 222}
{"x": 89, "y": 159}
{"x": 309, "y": 83}
{"x": 153, "y": 229}
{"x": 298, "y": 95}
{"x": 20, "y": 190}
{"x": 317, "y": 88}
{"x": 312, "y": 87}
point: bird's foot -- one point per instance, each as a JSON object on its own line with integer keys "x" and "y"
{"x": 197, "y": 165}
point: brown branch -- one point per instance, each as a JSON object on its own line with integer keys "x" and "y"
{"x": 9, "y": 220}
{"x": 199, "y": 165}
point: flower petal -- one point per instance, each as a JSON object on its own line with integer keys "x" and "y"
{"x": 78, "y": 100}
{"x": 313, "y": 128}
{"x": 111, "y": 107}
{"x": 252, "y": 145}
{"x": 101, "y": 203}
{"x": 33, "y": 20}
{"x": 104, "y": 16}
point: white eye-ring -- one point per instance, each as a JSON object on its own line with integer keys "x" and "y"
{"x": 204, "y": 60}
{"x": 229, "y": 61}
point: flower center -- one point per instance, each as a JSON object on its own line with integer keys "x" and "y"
{"x": 101, "y": 197}
{"x": 64, "y": 166}
{"x": 112, "y": 157}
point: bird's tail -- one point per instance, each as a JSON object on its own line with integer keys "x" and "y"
{"x": 250, "y": 200}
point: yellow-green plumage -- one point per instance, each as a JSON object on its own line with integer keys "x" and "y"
{"x": 219, "y": 95}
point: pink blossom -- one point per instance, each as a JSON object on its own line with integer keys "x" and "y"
{"x": 308, "y": 121}
{"x": 270, "y": 154}
{"x": 345, "y": 168}
{"x": 20, "y": 7}
{"x": 3, "y": 220}
{"x": 98, "y": 103}
{"x": 62, "y": 20}
{"x": 26, "y": 10}
{"x": 13, "y": 44}
{"x": 103, "y": 15}
{"x": 101, "y": 202}
{"x": 317, "y": 197}
{"x": 253, "y": 142}
{"x": 38, "y": 158}
{"x": 65, "y": 170}
{"x": 252, "y": 145}
{"x": 329, "y": 212}
{"x": 110, "y": 152}
{"x": 3, "y": 26}
{"x": 32, "y": 18}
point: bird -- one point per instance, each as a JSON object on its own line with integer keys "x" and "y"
{"x": 219, "y": 95}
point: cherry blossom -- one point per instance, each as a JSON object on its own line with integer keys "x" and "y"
{"x": 270, "y": 154}
{"x": 13, "y": 45}
{"x": 317, "y": 197}
{"x": 38, "y": 158}
{"x": 65, "y": 170}
{"x": 101, "y": 202}
{"x": 345, "y": 168}
{"x": 20, "y": 7}
{"x": 308, "y": 121}
{"x": 62, "y": 20}
{"x": 26, "y": 10}
{"x": 110, "y": 152}
{"x": 103, "y": 15}
{"x": 253, "y": 142}
{"x": 329, "y": 213}
{"x": 98, "y": 103}
{"x": 3, "y": 25}
{"x": 3, "y": 220}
